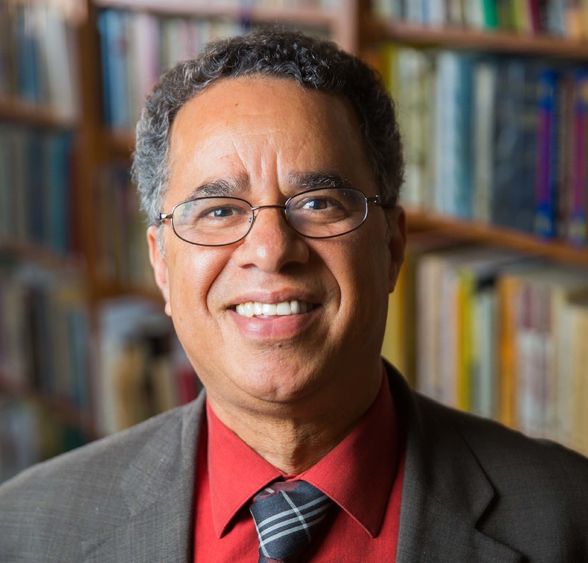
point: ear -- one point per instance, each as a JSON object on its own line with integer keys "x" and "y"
{"x": 396, "y": 243}
{"x": 159, "y": 264}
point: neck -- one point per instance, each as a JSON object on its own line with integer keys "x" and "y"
{"x": 294, "y": 436}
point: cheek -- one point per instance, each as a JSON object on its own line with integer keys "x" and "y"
{"x": 194, "y": 273}
{"x": 361, "y": 272}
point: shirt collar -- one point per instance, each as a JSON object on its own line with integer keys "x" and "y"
{"x": 357, "y": 474}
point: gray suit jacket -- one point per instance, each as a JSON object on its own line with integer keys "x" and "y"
{"x": 473, "y": 492}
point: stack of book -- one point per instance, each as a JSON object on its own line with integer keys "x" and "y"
{"x": 38, "y": 57}
{"x": 142, "y": 370}
{"x": 36, "y": 187}
{"x": 44, "y": 332}
{"x": 499, "y": 335}
{"x": 495, "y": 139}
{"x": 30, "y": 434}
{"x": 565, "y": 18}
{"x": 122, "y": 253}
{"x": 137, "y": 47}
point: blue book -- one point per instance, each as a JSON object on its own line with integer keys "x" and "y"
{"x": 59, "y": 193}
{"x": 515, "y": 146}
{"x": 103, "y": 29}
{"x": 547, "y": 155}
{"x": 112, "y": 25}
{"x": 29, "y": 87}
{"x": 35, "y": 187}
{"x": 453, "y": 144}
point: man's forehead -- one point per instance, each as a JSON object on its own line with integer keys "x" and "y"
{"x": 257, "y": 96}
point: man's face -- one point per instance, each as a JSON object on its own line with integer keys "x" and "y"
{"x": 260, "y": 138}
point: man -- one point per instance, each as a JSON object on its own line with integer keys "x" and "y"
{"x": 270, "y": 169}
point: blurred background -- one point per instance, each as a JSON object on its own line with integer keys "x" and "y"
{"x": 491, "y": 311}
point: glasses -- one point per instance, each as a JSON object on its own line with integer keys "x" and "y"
{"x": 317, "y": 213}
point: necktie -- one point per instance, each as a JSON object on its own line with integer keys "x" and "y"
{"x": 286, "y": 517}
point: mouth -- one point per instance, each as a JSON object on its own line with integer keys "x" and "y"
{"x": 281, "y": 309}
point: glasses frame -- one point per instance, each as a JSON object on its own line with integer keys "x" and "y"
{"x": 374, "y": 200}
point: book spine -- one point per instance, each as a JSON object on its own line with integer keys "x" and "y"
{"x": 578, "y": 233}
{"x": 545, "y": 187}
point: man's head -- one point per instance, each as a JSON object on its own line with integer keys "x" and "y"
{"x": 264, "y": 118}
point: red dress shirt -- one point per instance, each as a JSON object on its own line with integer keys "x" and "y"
{"x": 363, "y": 475}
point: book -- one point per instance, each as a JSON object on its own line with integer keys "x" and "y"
{"x": 578, "y": 228}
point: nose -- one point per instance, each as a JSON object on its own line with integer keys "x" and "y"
{"x": 271, "y": 244}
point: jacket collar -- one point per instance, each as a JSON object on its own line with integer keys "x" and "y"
{"x": 445, "y": 490}
{"x": 157, "y": 493}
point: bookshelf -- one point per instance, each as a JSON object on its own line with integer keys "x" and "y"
{"x": 468, "y": 39}
{"x": 419, "y": 221}
{"x": 98, "y": 148}
{"x": 496, "y": 313}
{"x": 379, "y": 32}
{"x": 14, "y": 109}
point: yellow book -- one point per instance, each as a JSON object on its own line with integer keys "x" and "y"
{"x": 508, "y": 288}
{"x": 465, "y": 340}
{"x": 394, "y": 347}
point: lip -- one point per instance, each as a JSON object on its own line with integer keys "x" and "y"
{"x": 274, "y": 328}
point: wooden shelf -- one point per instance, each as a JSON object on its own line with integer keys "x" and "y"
{"x": 106, "y": 290}
{"x": 40, "y": 254}
{"x": 315, "y": 17}
{"x": 488, "y": 41}
{"x": 13, "y": 109}
{"x": 494, "y": 235}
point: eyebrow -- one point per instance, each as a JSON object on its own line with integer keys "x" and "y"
{"x": 237, "y": 187}
{"x": 321, "y": 179}
{"x": 222, "y": 187}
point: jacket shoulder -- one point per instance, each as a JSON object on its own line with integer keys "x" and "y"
{"x": 55, "y": 504}
{"x": 539, "y": 484}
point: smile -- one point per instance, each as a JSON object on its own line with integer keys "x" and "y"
{"x": 282, "y": 309}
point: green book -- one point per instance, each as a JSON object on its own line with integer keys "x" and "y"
{"x": 490, "y": 14}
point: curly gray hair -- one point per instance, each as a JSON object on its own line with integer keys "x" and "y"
{"x": 313, "y": 63}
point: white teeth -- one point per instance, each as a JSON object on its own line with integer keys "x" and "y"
{"x": 284, "y": 308}
{"x": 269, "y": 309}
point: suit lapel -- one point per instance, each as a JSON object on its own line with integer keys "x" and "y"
{"x": 157, "y": 495}
{"x": 445, "y": 491}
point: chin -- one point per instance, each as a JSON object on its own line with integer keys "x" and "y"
{"x": 278, "y": 385}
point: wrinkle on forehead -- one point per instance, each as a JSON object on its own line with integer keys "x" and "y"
{"x": 269, "y": 130}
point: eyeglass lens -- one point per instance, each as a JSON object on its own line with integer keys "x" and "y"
{"x": 321, "y": 213}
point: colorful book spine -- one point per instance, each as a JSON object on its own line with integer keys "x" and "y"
{"x": 546, "y": 180}
{"x": 578, "y": 231}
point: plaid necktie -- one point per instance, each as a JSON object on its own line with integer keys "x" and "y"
{"x": 286, "y": 516}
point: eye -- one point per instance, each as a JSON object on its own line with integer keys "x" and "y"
{"x": 221, "y": 212}
{"x": 211, "y": 211}
{"x": 318, "y": 203}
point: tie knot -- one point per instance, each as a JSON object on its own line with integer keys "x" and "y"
{"x": 286, "y": 516}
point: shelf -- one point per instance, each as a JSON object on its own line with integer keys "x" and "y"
{"x": 488, "y": 41}
{"x": 13, "y": 109}
{"x": 40, "y": 254}
{"x": 105, "y": 290}
{"x": 315, "y": 17}
{"x": 500, "y": 236}
{"x": 61, "y": 408}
